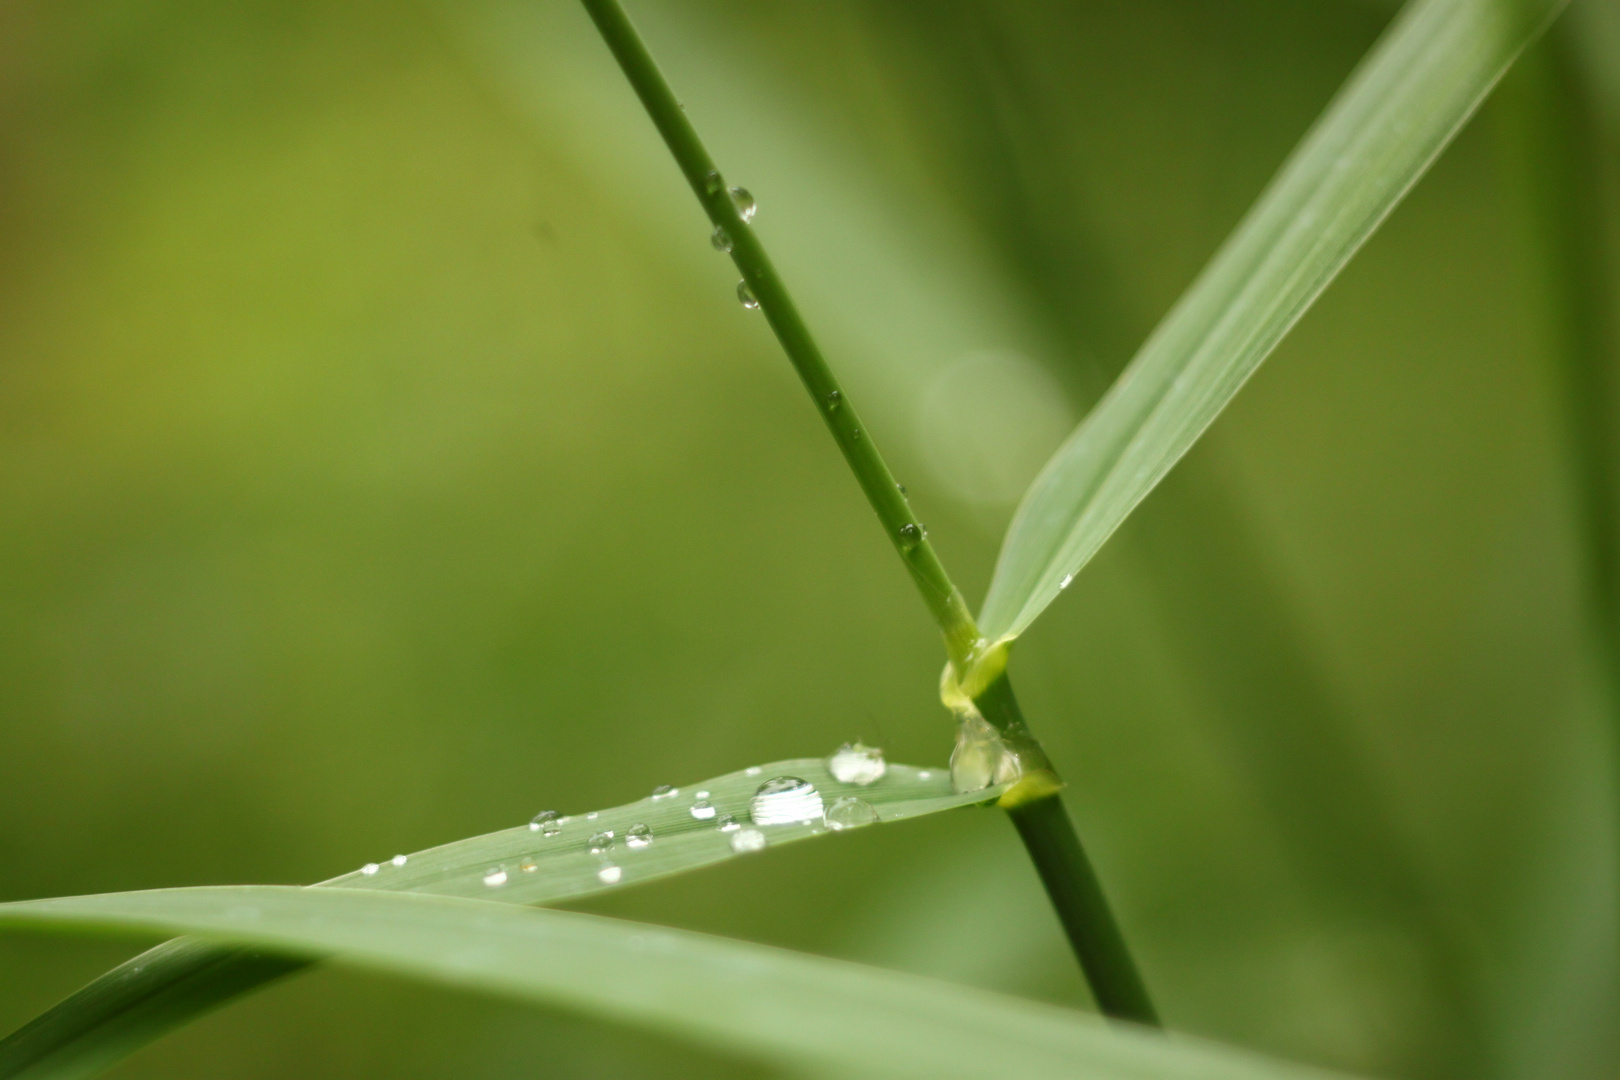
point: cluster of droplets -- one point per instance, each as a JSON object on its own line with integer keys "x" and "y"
{"x": 371, "y": 869}
{"x": 981, "y": 757}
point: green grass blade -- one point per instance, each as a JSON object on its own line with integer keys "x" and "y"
{"x": 173, "y": 984}
{"x": 1397, "y": 112}
{"x": 781, "y": 1007}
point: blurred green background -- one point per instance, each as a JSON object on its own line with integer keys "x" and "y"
{"x": 384, "y": 457}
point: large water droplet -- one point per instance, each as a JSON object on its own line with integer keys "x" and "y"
{"x": 703, "y": 810}
{"x": 981, "y": 758}
{"x": 599, "y": 842}
{"x": 609, "y": 875}
{"x": 546, "y": 821}
{"x": 369, "y": 869}
{"x": 727, "y": 824}
{"x": 721, "y": 239}
{"x": 400, "y": 860}
{"x": 748, "y": 840}
{"x": 664, "y": 791}
{"x": 850, "y": 813}
{"x": 857, "y": 763}
{"x": 638, "y": 836}
{"x": 785, "y": 800}
{"x": 746, "y": 296}
{"x": 744, "y": 203}
{"x": 495, "y": 877}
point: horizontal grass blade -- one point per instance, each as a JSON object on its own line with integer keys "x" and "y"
{"x": 781, "y": 1007}
{"x": 1406, "y": 100}
{"x": 173, "y": 984}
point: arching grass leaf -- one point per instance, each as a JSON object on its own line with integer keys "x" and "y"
{"x": 777, "y": 1006}
{"x": 1399, "y": 109}
{"x": 687, "y": 828}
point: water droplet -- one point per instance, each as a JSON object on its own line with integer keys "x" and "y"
{"x": 609, "y": 875}
{"x": 721, "y": 239}
{"x": 638, "y": 836}
{"x": 746, "y": 296}
{"x": 835, "y": 400}
{"x": 901, "y": 486}
{"x": 748, "y": 840}
{"x": 400, "y": 860}
{"x": 495, "y": 877}
{"x": 785, "y": 800}
{"x": 700, "y": 794}
{"x": 547, "y": 821}
{"x": 857, "y": 763}
{"x": 912, "y": 534}
{"x": 528, "y": 866}
{"x": 850, "y": 813}
{"x": 1064, "y": 584}
{"x": 664, "y": 791}
{"x": 981, "y": 758}
{"x": 592, "y": 816}
{"x": 925, "y": 775}
{"x": 727, "y": 824}
{"x": 712, "y": 184}
{"x": 599, "y": 842}
{"x": 703, "y": 810}
{"x": 744, "y": 203}
{"x": 369, "y": 869}
{"x": 753, "y": 770}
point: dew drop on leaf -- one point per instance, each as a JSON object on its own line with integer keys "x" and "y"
{"x": 850, "y": 813}
{"x": 703, "y": 810}
{"x": 546, "y": 821}
{"x": 727, "y": 824}
{"x": 748, "y": 840}
{"x": 785, "y": 800}
{"x": 600, "y": 842}
{"x": 857, "y": 763}
{"x": 528, "y": 866}
{"x": 609, "y": 875}
{"x": 664, "y": 791}
{"x": 369, "y": 869}
{"x": 638, "y": 836}
{"x": 399, "y": 860}
{"x": 495, "y": 877}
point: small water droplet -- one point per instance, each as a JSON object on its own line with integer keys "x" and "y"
{"x": 700, "y": 794}
{"x": 901, "y": 486}
{"x": 638, "y": 836}
{"x": 664, "y": 791}
{"x": 744, "y": 203}
{"x": 850, "y": 813}
{"x": 712, "y": 184}
{"x": 495, "y": 877}
{"x": 925, "y": 775}
{"x": 546, "y": 821}
{"x": 369, "y": 869}
{"x": 703, "y": 810}
{"x": 610, "y": 875}
{"x": 746, "y": 296}
{"x": 528, "y": 866}
{"x": 599, "y": 842}
{"x": 912, "y": 534}
{"x": 857, "y": 763}
{"x": 748, "y": 840}
{"x": 727, "y": 824}
{"x": 1067, "y": 580}
{"x": 721, "y": 239}
{"x": 784, "y": 800}
{"x": 835, "y": 400}
{"x": 753, "y": 770}
{"x": 400, "y": 860}
{"x": 592, "y": 816}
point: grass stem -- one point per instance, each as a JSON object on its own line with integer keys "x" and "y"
{"x": 1041, "y": 820}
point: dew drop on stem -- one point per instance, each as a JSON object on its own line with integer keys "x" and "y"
{"x": 744, "y": 203}
{"x": 746, "y": 296}
{"x": 721, "y": 239}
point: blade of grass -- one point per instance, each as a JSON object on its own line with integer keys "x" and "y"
{"x": 1400, "y": 108}
{"x": 784, "y": 1008}
{"x": 173, "y": 984}
{"x": 1033, "y": 802}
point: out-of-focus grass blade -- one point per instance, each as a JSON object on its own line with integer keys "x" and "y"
{"x": 686, "y": 828}
{"x": 1399, "y": 109}
{"x": 782, "y": 1007}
